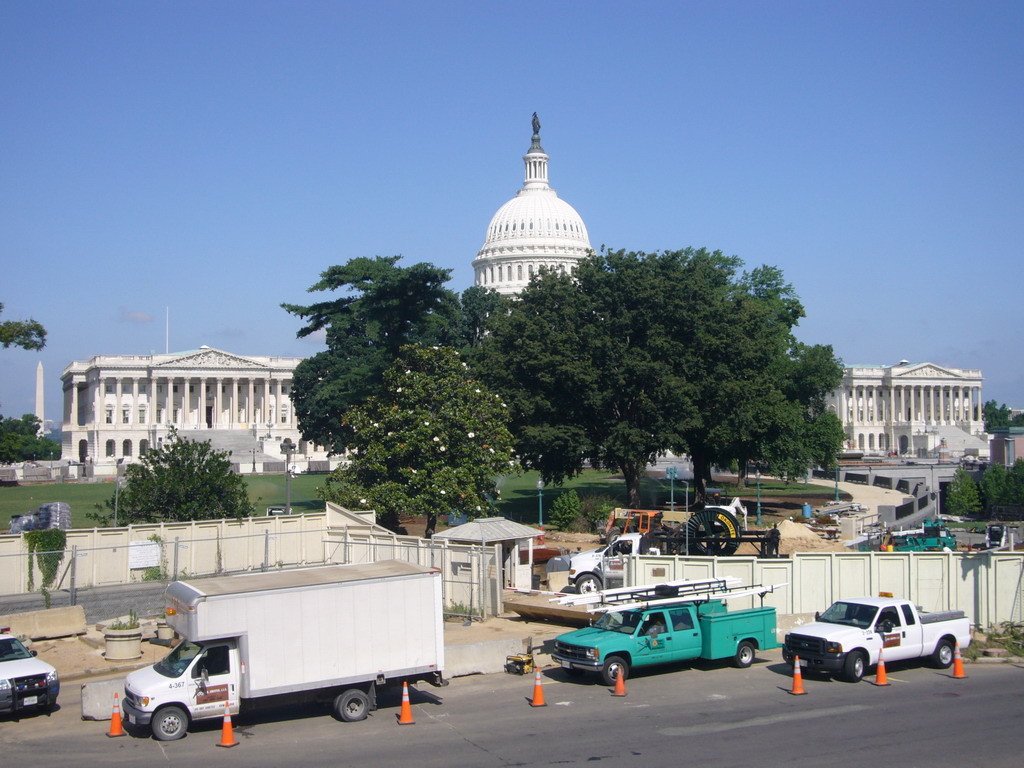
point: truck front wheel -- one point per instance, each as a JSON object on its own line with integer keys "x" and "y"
{"x": 169, "y": 724}
{"x": 942, "y": 657}
{"x": 854, "y": 667}
{"x": 613, "y": 667}
{"x": 352, "y": 705}
{"x": 744, "y": 655}
{"x": 587, "y": 584}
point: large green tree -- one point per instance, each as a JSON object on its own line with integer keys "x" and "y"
{"x": 20, "y": 441}
{"x": 433, "y": 441}
{"x": 383, "y": 307}
{"x": 1000, "y": 485}
{"x": 641, "y": 353}
{"x": 27, "y": 334}
{"x": 179, "y": 481}
{"x": 962, "y": 497}
{"x": 996, "y": 415}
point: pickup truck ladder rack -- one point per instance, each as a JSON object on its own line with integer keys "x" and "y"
{"x": 632, "y": 598}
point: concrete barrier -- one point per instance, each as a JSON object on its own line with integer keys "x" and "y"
{"x": 98, "y": 698}
{"x": 43, "y": 625}
{"x": 481, "y": 658}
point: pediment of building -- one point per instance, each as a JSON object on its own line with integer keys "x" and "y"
{"x": 211, "y": 358}
{"x": 926, "y": 371}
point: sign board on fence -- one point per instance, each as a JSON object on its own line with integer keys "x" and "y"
{"x": 143, "y": 554}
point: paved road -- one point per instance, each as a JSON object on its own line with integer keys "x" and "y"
{"x": 705, "y": 714}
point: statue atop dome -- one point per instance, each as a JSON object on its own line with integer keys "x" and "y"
{"x": 536, "y": 126}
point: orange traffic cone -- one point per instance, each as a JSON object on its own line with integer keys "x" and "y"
{"x": 620, "y": 685}
{"x": 227, "y": 734}
{"x": 880, "y": 676}
{"x": 958, "y": 664}
{"x": 538, "y": 692}
{"x": 405, "y": 717}
{"x": 116, "y": 729}
{"x": 798, "y": 679}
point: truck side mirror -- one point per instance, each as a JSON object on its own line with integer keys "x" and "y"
{"x": 884, "y": 626}
{"x": 817, "y": 615}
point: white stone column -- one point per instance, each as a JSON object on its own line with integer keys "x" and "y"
{"x": 250, "y": 414}
{"x": 71, "y": 401}
{"x": 218, "y": 403}
{"x": 117, "y": 400}
{"x": 233, "y": 415}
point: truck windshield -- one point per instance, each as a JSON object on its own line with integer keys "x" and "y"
{"x": 850, "y": 614}
{"x": 11, "y": 649}
{"x": 177, "y": 661}
{"x": 619, "y": 621}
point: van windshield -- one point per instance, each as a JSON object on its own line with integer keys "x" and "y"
{"x": 619, "y": 621}
{"x": 850, "y": 614}
{"x": 177, "y": 661}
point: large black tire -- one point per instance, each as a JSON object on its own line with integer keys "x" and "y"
{"x": 351, "y": 706}
{"x": 745, "y": 653}
{"x": 855, "y": 666}
{"x": 169, "y": 723}
{"x": 613, "y": 533}
{"x": 713, "y": 531}
{"x": 613, "y": 667}
{"x": 942, "y": 656}
{"x": 588, "y": 584}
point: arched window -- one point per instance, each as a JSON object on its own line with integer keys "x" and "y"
{"x": 126, "y": 448}
{"x": 83, "y": 450}
{"x": 143, "y": 447}
{"x": 110, "y": 449}
{"x": 860, "y": 442}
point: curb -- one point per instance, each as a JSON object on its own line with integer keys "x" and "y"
{"x": 99, "y": 672}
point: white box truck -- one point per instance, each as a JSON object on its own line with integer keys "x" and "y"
{"x": 333, "y": 634}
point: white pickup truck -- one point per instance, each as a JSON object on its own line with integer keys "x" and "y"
{"x": 26, "y": 683}
{"x": 845, "y": 640}
{"x": 600, "y": 568}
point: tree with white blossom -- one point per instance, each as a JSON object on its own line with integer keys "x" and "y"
{"x": 434, "y": 442}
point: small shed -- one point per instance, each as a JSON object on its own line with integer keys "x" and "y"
{"x": 514, "y": 539}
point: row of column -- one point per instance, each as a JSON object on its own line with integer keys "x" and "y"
{"x": 941, "y": 404}
{"x": 247, "y": 400}
{"x": 505, "y": 272}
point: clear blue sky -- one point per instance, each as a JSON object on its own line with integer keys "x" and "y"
{"x": 214, "y": 157}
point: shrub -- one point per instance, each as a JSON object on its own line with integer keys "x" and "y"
{"x": 594, "y": 509}
{"x": 565, "y": 511}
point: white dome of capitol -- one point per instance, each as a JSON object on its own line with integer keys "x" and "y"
{"x": 536, "y": 219}
{"x": 535, "y": 229}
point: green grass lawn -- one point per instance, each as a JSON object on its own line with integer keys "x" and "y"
{"x": 518, "y": 500}
{"x": 264, "y": 491}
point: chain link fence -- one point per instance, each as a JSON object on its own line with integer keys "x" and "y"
{"x": 110, "y": 581}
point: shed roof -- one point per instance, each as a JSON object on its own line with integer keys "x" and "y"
{"x": 487, "y": 530}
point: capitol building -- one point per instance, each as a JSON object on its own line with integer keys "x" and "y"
{"x": 118, "y": 407}
{"x": 535, "y": 229}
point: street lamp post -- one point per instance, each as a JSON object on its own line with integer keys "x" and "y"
{"x": 686, "y": 516}
{"x": 759, "y": 496}
{"x": 117, "y": 487}
{"x": 837, "y": 482}
{"x": 671, "y": 473}
{"x": 540, "y": 502}
{"x": 288, "y": 448}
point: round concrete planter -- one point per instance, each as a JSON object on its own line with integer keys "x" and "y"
{"x": 122, "y": 644}
{"x": 163, "y": 631}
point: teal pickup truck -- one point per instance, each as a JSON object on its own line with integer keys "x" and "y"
{"x": 665, "y": 632}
